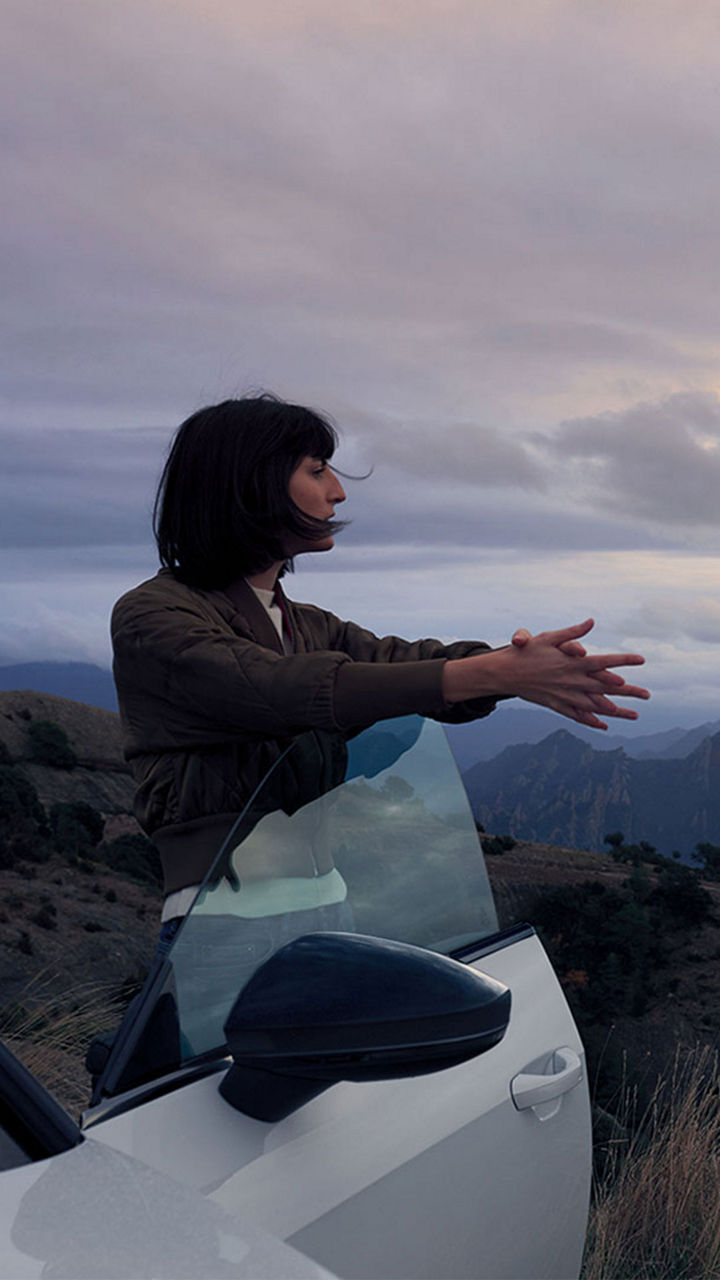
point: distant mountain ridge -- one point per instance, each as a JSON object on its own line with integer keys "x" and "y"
{"x": 560, "y": 791}
{"x": 79, "y": 681}
{"x": 484, "y": 739}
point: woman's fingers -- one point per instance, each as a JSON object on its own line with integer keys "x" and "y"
{"x": 573, "y": 649}
{"x": 603, "y": 660}
{"x": 608, "y": 708}
{"x": 576, "y": 632}
{"x": 521, "y": 637}
{"x": 627, "y": 690}
{"x": 586, "y": 708}
{"x": 616, "y": 684}
{"x": 556, "y": 671}
{"x": 581, "y": 716}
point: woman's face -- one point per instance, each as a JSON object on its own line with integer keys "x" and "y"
{"x": 316, "y": 490}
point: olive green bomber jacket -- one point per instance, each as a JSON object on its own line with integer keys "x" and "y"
{"x": 208, "y": 701}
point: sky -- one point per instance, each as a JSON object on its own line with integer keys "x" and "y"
{"x": 485, "y": 238}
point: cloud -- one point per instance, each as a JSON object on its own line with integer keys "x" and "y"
{"x": 57, "y": 606}
{"x": 199, "y": 194}
{"x": 669, "y": 617}
{"x": 471, "y": 453}
{"x": 658, "y": 461}
{"x": 73, "y": 488}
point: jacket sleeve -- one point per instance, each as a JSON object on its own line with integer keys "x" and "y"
{"x": 389, "y": 676}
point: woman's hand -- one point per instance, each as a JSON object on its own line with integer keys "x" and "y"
{"x": 552, "y": 669}
{"x": 571, "y": 647}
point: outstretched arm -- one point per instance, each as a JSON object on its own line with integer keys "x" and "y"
{"x": 551, "y": 669}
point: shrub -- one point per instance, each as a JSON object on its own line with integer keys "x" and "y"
{"x": 680, "y": 896}
{"x": 48, "y": 744}
{"x": 45, "y": 917}
{"x": 634, "y": 853}
{"x": 709, "y": 856}
{"x": 496, "y": 845}
{"x": 23, "y": 823}
{"x": 77, "y": 828}
{"x": 18, "y": 798}
{"x": 134, "y": 856}
{"x": 606, "y": 934}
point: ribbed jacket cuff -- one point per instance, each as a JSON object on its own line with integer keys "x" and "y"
{"x": 368, "y": 691}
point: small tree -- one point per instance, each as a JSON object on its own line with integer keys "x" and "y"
{"x": 709, "y": 855}
{"x": 49, "y": 745}
{"x": 23, "y": 824}
{"x": 497, "y": 845}
{"x": 615, "y": 839}
{"x": 77, "y": 828}
{"x": 134, "y": 856}
{"x": 680, "y": 895}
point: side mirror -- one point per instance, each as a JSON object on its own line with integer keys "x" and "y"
{"x": 341, "y": 1006}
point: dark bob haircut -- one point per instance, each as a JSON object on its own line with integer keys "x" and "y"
{"x": 222, "y": 509}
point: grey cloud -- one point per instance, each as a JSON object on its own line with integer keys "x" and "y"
{"x": 657, "y": 461}
{"x": 447, "y": 520}
{"x": 470, "y": 453}
{"x": 577, "y": 341}
{"x": 197, "y": 190}
{"x": 668, "y": 618}
{"x": 70, "y": 488}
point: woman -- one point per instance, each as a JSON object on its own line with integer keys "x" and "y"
{"x": 217, "y": 671}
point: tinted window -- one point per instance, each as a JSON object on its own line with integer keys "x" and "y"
{"x": 373, "y": 836}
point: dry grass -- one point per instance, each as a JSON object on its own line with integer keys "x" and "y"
{"x": 51, "y": 1037}
{"x": 656, "y": 1213}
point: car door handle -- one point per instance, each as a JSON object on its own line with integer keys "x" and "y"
{"x": 563, "y": 1072}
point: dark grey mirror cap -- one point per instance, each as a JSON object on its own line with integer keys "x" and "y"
{"x": 341, "y": 1006}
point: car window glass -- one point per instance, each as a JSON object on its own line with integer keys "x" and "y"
{"x": 373, "y": 836}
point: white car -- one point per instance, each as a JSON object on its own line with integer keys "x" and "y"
{"x": 374, "y": 1081}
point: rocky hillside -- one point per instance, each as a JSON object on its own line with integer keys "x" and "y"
{"x": 100, "y": 778}
{"x": 561, "y": 791}
{"x": 79, "y": 912}
{"x": 75, "y": 944}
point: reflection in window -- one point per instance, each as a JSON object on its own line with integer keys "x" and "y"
{"x": 392, "y": 851}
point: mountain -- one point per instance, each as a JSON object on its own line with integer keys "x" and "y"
{"x": 560, "y": 791}
{"x": 508, "y": 726}
{"x": 676, "y": 746}
{"x": 81, "y": 681}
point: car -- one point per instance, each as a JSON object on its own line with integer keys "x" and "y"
{"x": 370, "y": 1079}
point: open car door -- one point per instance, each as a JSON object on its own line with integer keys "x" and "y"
{"x": 476, "y": 1164}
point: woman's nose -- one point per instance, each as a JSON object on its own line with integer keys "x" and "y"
{"x": 337, "y": 493}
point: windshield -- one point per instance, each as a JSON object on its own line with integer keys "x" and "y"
{"x": 373, "y": 835}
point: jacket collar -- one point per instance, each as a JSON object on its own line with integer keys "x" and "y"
{"x": 245, "y": 602}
